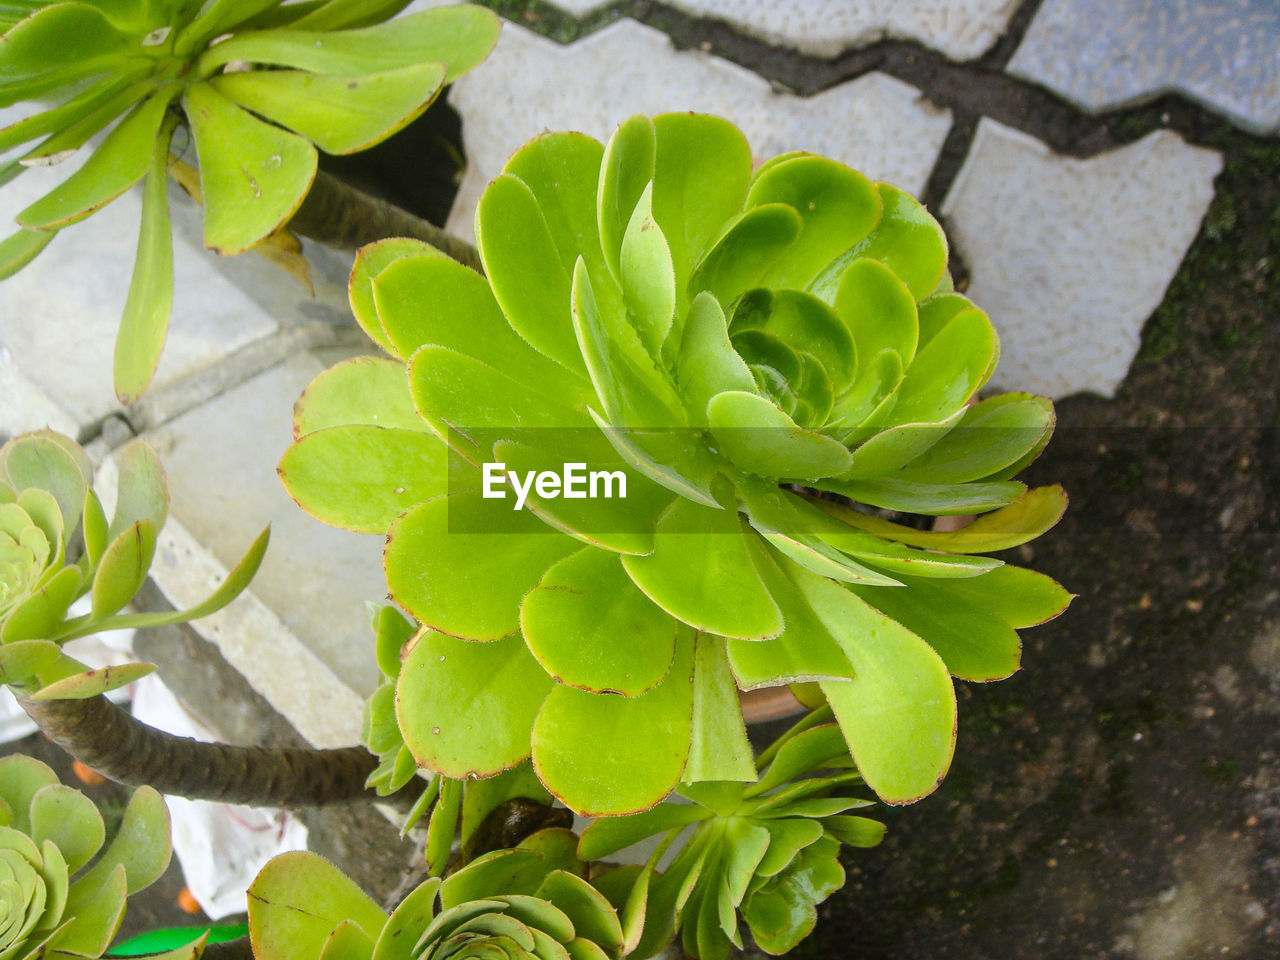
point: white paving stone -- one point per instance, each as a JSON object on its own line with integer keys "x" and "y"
{"x": 962, "y": 29}
{"x": 877, "y": 124}
{"x": 1111, "y": 53}
{"x": 1070, "y": 257}
{"x": 221, "y": 461}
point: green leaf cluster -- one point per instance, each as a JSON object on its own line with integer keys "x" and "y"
{"x": 770, "y": 356}
{"x": 45, "y": 497}
{"x": 53, "y": 903}
{"x": 527, "y": 903}
{"x": 261, "y": 85}
{"x": 765, "y": 853}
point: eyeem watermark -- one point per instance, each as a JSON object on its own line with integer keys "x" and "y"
{"x": 574, "y": 482}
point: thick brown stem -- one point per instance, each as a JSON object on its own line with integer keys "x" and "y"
{"x": 339, "y": 215}
{"x": 238, "y": 949}
{"x": 101, "y": 735}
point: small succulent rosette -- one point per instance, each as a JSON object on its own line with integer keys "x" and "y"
{"x": 57, "y": 546}
{"x": 768, "y": 358}
{"x": 261, "y": 85}
{"x": 50, "y": 905}
{"x": 528, "y": 903}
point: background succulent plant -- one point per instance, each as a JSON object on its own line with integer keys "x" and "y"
{"x": 45, "y": 496}
{"x": 50, "y": 905}
{"x": 261, "y": 85}
{"x": 766, "y": 852}
{"x": 743, "y": 345}
{"x": 518, "y": 904}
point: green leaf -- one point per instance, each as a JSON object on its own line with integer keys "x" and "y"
{"x": 607, "y": 755}
{"x": 878, "y": 308}
{"x": 856, "y": 415}
{"x": 808, "y": 750}
{"x": 407, "y": 923}
{"x": 608, "y": 835}
{"x": 94, "y": 527}
{"x": 254, "y": 175}
{"x": 297, "y": 899}
{"x": 338, "y": 114}
{"x": 361, "y": 390}
{"x": 996, "y": 436}
{"x": 23, "y": 659}
{"x": 344, "y": 14}
{"x": 43, "y": 460}
{"x": 745, "y": 251}
{"x": 947, "y": 372}
{"x": 23, "y": 777}
{"x": 92, "y": 683}
{"x": 593, "y": 917}
{"x": 887, "y": 451}
{"x": 647, "y": 275}
{"x": 708, "y": 364}
{"x": 459, "y": 36}
{"x": 212, "y": 18}
{"x": 700, "y": 173}
{"x": 347, "y": 942}
{"x": 371, "y": 260}
{"x": 803, "y": 322}
{"x": 76, "y": 108}
{"x": 228, "y": 590}
{"x": 483, "y": 797}
{"x": 718, "y": 748}
{"x": 123, "y": 569}
{"x": 70, "y": 820}
{"x": 1032, "y": 514}
{"x": 677, "y": 460}
{"x": 466, "y": 708}
{"x": 142, "y": 491}
{"x": 85, "y": 41}
{"x": 433, "y": 300}
{"x": 625, "y": 173}
{"x": 141, "y": 846}
{"x": 19, "y": 249}
{"x": 931, "y": 499}
{"x": 450, "y": 564}
{"x": 758, "y": 437}
{"x": 936, "y": 310}
{"x": 837, "y": 206}
{"x": 700, "y": 573}
{"x": 591, "y": 628}
{"x": 907, "y": 240}
{"x": 528, "y": 278}
{"x": 361, "y": 478}
{"x": 632, "y": 388}
{"x": 972, "y": 643}
{"x": 855, "y": 831}
{"x": 94, "y": 912}
{"x": 146, "y": 311}
{"x": 804, "y": 650}
{"x": 898, "y": 712}
{"x": 443, "y": 825}
{"x": 120, "y": 162}
{"x": 786, "y": 839}
{"x": 1019, "y": 597}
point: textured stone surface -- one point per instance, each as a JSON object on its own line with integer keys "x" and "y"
{"x": 1108, "y": 53}
{"x": 962, "y": 29}
{"x": 886, "y": 128}
{"x": 1070, "y": 257}
{"x": 303, "y": 640}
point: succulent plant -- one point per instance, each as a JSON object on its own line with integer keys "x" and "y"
{"x": 45, "y": 495}
{"x": 261, "y": 85}
{"x": 520, "y": 904}
{"x": 766, "y": 357}
{"x": 765, "y": 852}
{"x": 50, "y": 906}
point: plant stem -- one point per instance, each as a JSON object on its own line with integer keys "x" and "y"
{"x": 238, "y": 949}
{"x": 339, "y": 215}
{"x": 101, "y": 735}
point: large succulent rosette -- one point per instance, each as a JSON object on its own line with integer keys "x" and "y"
{"x": 50, "y": 905}
{"x": 767, "y": 357}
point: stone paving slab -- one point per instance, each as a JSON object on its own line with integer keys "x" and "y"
{"x": 877, "y": 124}
{"x": 962, "y": 29}
{"x": 1103, "y": 54}
{"x": 1070, "y": 257}
{"x": 303, "y": 641}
